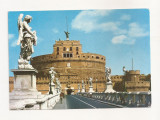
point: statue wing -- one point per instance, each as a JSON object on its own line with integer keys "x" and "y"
{"x": 20, "y": 28}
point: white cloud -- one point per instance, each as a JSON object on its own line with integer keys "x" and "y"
{"x": 112, "y": 26}
{"x": 135, "y": 30}
{"x": 39, "y": 39}
{"x": 93, "y": 20}
{"x": 88, "y": 21}
{"x": 125, "y": 17}
{"x": 10, "y": 36}
{"x": 55, "y": 30}
{"x": 14, "y": 43}
{"x": 123, "y": 39}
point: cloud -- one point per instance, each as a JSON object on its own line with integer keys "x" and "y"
{"x": 10, "y": 36}
{"x": 93, "y": 20}
{"x": 14, "y": 43}
{"x": 123, "y": 39}
{"x": 125, "y": 17}
{"x": 39, "y": 39}
{"x": 54, "y": 30}
{"x": 89, "y": 20}
{"x": 112, "y": 26}
{"x": 135, "y": 31}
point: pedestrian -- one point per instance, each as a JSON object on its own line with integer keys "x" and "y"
{"x": 61, "y": 97}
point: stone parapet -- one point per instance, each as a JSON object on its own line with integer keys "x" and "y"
{"x": 45, "y": 102}
{"x": 122, "y": 99}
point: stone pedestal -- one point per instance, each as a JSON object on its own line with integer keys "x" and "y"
{"x": 83, "y": 90}
{"x": 57, "y": 89}
{"x": 109, "y": 87}
{"x": 91, "y": 89}
{"x": 24, "y": 84}
{"x": 79, "y": 90}
{"x": 52, "y": 88}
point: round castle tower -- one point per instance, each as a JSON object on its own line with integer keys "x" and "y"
{"x": 72, "y": 66}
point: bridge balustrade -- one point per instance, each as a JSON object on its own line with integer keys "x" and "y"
{"x": 125, "y": 99}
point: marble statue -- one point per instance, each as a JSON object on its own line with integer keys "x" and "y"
{"x": 52, "y": 74}
{"x": 58, "y": 82}
{"x": 83, "y": 87}
{"x": 26, "y": 39}
{"x": 108, "y": 74}
{"x": 82, "y": 84}
{"x": 109, "y": 85}
{"x": 90, "y": 81}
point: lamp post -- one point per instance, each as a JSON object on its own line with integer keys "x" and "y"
{"x": 96, "y": 86}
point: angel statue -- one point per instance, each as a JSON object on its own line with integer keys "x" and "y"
{"x": 82, "y": 84}
{"x": 26, "y": 39}
{"x": 52, "y": 74}
{"x": 90, "y": 81}
{"x": 108, "y": 74}
{"x": 58, "y": 82}
{"x": 67, "y": 34}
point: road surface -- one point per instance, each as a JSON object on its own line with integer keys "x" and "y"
{"x": 80, "y": 102}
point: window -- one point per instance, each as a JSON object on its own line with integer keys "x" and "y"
{"x": 57, "y": 48}
{"x": 76, "y": 53}
{"x": 70, "y": 48}
{"x": 97, "y": 57}
{"x": 64, "y": 48}
{"x": 67, "y": 55}
{"x": 64, "y": 55}
{"x": 76, "y": 48}
{"x": 92, "y": 56}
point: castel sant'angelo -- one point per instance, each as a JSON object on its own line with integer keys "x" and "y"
{"x": 72, "y": 66}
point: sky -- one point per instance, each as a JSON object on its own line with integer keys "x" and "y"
{"x": 118, "y": 34}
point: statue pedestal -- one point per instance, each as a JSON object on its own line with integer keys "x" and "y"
{"x": 24, "y": 84}
{"x": 53, "y": 88}
{"x": 109, "y": 87}
{"x": 91, "y": 89}
{"x": 79, "y": 90}
{"x": 83, "y": 90}
{"x": 57, "y": 89}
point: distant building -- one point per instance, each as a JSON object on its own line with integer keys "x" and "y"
{"x": 136, "y": 82}
{"x": 72, "y": 66}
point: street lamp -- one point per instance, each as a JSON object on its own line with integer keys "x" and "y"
{"x": 96, "y": 86}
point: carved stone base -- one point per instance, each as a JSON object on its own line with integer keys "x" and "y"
{"x": 83, "y": 90}
{"x": 24, "y": 64}
{"x": 79, "y": 90}
{"x": 109, "y": 87}
{"x": 91, "y": 89}
{"x": 24, "y": 85}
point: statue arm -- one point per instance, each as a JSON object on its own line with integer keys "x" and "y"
{"x": 26, "y": 26}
